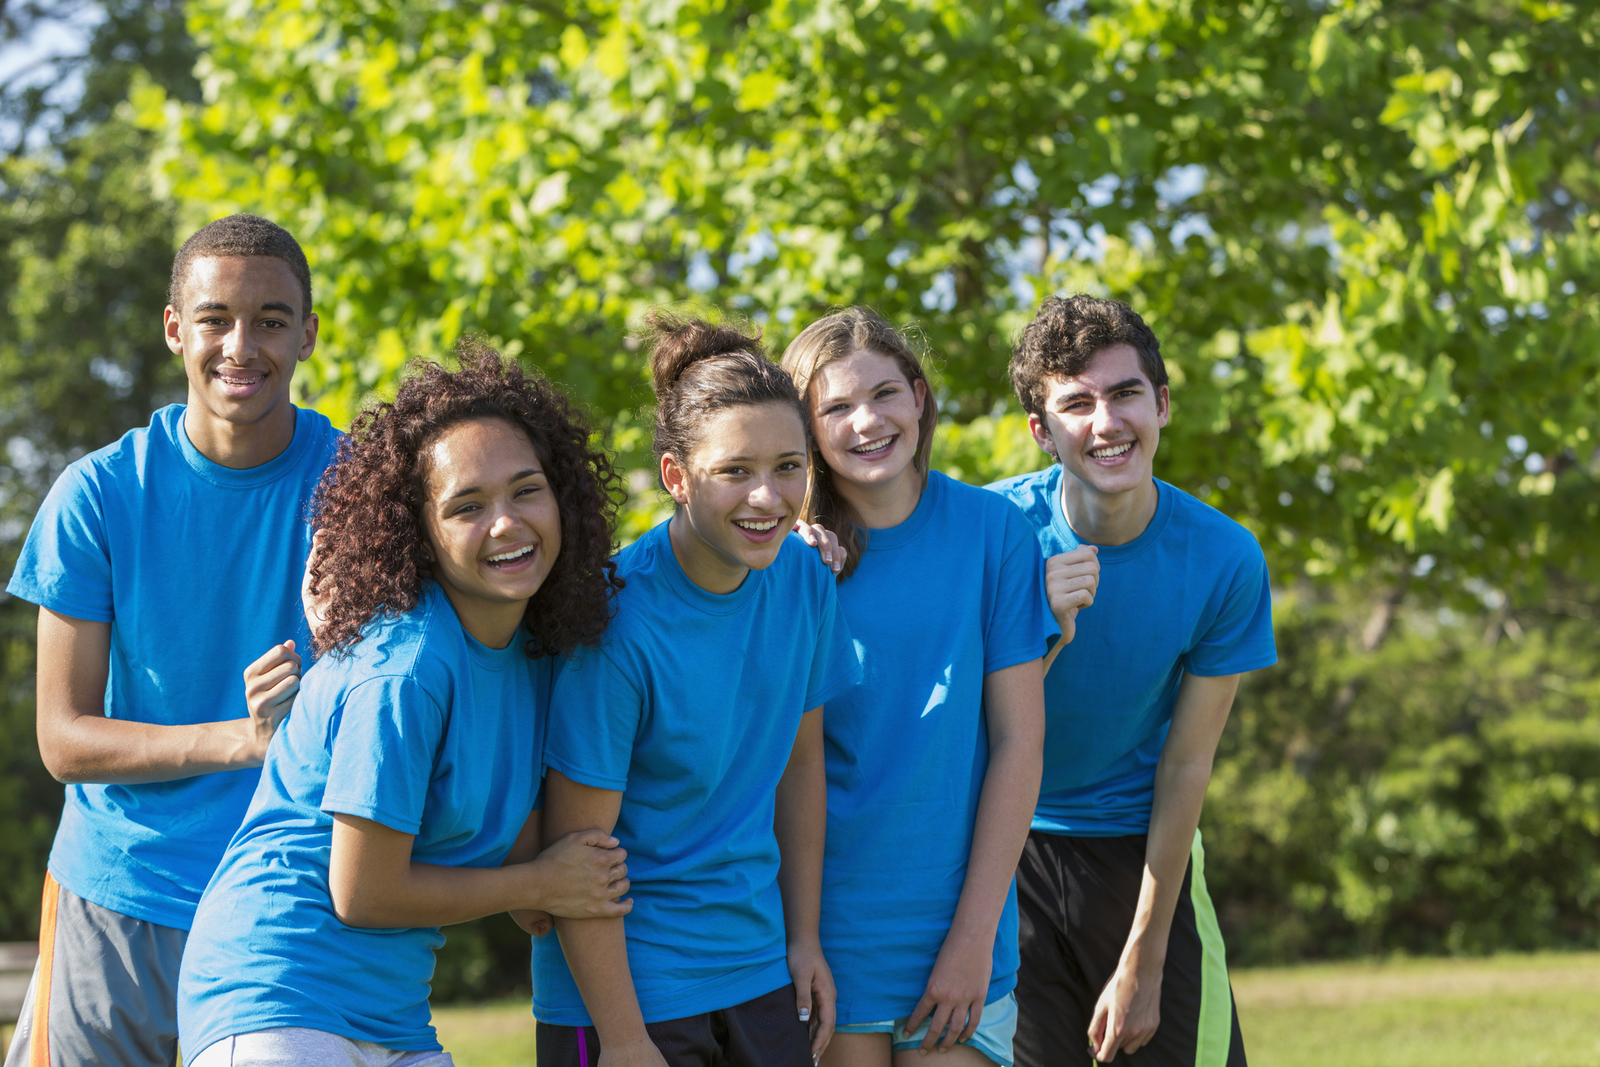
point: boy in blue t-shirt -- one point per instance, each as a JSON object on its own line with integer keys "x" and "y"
{"x": 1118, "y": 936}
{"x": 163, "y": 565}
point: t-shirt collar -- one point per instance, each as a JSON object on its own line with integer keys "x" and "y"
{"x": 673, "y": 574}
{"x": 916, "y": 522}
{"x": 217, "y": 474}
{"x": 1109, "y": 553}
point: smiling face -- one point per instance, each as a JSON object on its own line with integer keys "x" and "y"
{"x": 739, "y": 493}
{"x": 492, "y": 524}
{"x": 865, "y": 415}
{"x": 1104, "y": 424}
{"x": 240, "y": 331}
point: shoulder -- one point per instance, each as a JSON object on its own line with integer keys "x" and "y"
{"x": 1032, "y": 493}
{"x": 1225, "y": 540}
{"x": 799, "y": 562}
{"x": 124, "y": 463}
{"x": 417, "y": 647}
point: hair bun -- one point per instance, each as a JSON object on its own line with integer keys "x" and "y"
{"x": 678, "y": 343}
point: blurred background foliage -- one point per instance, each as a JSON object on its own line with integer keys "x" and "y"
{"x": 1363, "y": 230}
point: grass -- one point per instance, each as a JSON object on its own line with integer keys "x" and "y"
{"x": 1528, "y": 1010}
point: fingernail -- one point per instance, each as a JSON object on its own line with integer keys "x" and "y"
{"x": 805, "y": 1015}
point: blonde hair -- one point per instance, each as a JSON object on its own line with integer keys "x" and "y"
{"x": 837, "y": 336}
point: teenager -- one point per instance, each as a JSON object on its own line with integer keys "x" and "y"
{"x": 695, "y": 729}
{"x": 465, "y": 529}
{"x": 1119, "y": 937}
{"x": 942, "y": 588}
{"x": 163, "y": 565}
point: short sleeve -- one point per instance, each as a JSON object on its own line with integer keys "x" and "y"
{"x": 835, "y": 664}
{"x": 1020, "y": 624}
{"x": 386, "y": 737}
{"x": 594, "y": 720}
{"x": 1240, "y": 638}
{"x": 65, "y": 565}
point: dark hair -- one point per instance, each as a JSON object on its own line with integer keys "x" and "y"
{"x": 241, "y": 235}
{"x": 698, "y": 368}
{"x": 1064, "y": 336}
{"x": 369, "y": 503}
{"x": 835, "y": 337}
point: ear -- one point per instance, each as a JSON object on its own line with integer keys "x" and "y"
{"x": 173, "y": 329}
{"x": 675, "y": 478}
{"x": 308, "y": 340}
{"x": 919, "y": 389}
{"x": 1041, "y": 435}
{"x": 1163, "y": 406}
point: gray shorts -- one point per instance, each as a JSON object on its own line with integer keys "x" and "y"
{"x": 294, "y": 1046}
{"x": 105, "y": 989}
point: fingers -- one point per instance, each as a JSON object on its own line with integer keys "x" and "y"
{"x": 274, "y": 657}
{"x": 924, "y": 1008}
{"x": 938, "y": 1025}
{"x": 599, "y": 839}
{"x": 823, "y": 1019}
{"x": 974, "y": 1018}
{"x": 823, "y": 540}
{"x": 1097, "y": 1029}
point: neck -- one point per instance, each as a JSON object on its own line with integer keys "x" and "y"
{"x": 492, "y": 624}
{"x": 239, "y": 445}
{"x": 887, "y": 505}
{"x": 705, "y": 566}
{"x": 1108, "y": 518}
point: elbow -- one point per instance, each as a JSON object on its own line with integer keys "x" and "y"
{"x": 348, "y": 907}
{"x": 59, "y": 763}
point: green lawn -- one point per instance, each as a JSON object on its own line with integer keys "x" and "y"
{"x": 1527, "y": 1011}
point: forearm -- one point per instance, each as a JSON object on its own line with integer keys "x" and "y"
{"x": 1180, "y": 791}
{"x": 597, "y": 954}
{"x": 431, "y": 895}
{"x": 93, "y": 748}
{"x": 1005, "y": 812}
{"x": 801, "y": 826}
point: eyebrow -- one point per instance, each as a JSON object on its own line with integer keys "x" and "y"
{"x": 1126, "y": 383}
{"x": 752, "y": 459}
{"x": 887, "y": 381}
{"x": 469, "y": 490}
{"x": 271, "y": 305}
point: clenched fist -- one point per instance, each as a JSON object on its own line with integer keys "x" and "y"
{"x": 1071, "y": 580}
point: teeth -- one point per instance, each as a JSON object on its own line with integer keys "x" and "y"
{"x": 1112, "y": 452}
{"x": 506, "y": 557}
{"x": 755, "y": 527}
{"x": 879, "y": 446}
{"x": 238, "y": 381}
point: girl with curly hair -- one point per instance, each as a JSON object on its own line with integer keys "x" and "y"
{"x": 695, "y": 731}
{"x": 946, "y": 728}
{"x": 465, "y": 530}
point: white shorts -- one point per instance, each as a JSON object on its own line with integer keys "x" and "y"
{"x": 295, "y": 1046}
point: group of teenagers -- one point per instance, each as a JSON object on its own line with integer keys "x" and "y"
{"x": 845, "y": 763}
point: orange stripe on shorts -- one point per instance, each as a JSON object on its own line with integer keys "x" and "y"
{"x": 39, "y": 1042}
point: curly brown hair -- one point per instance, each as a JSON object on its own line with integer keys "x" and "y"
{"x": 368, "y": 506}
{"x": 1064, "y": 336}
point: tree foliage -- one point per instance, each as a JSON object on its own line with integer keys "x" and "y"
{"x": 1361, "y": 228}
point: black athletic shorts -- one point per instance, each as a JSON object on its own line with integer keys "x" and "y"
{"x": 1076, "y": 897}
{"x": 764, "y": 1032}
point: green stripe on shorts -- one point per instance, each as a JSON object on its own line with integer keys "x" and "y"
{"x": 1216, "y": 998}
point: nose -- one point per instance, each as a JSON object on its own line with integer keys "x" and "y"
{"x": 239, "y": 346}
{"x": 764, "y": 496}
{"x": 1105, "y": 420}
{"x": 864, "y": 419}
{"x": 505, "y": 523}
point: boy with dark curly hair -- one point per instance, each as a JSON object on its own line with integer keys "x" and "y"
{"x": 162, "y": 565}
{"x": 1118, "y": 935}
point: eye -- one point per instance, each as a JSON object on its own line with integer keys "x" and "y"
{"x": 273, "y": 323}
{"x": 464, "y": 509}
{"x": 733, "y": 471}
{"x": 834, "y": 409}
{"x": 528, "y": 490}
{"x": 789, "y": 465}
{"x": 886, "y": 391}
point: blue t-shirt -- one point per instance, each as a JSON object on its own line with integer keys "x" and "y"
{"x": 197, "y": 568}
{"x": 948, "y": 596}
{"x": 690, "y": 706}
{"x": 1188, "y": 594}
{"x": 420, "y": 728}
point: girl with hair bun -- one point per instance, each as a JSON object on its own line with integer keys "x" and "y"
{"x": 933, "y": 761}
{"x": 693, "y": 732}
{"x": 464, "y": 537}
